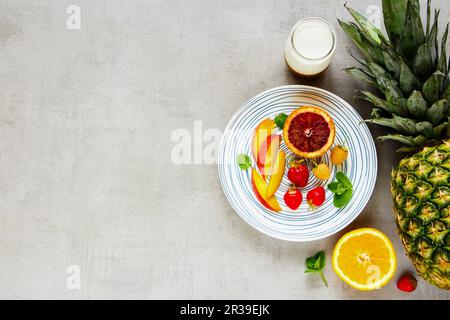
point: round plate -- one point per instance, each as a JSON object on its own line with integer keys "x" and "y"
{"x": 302, "y": 224}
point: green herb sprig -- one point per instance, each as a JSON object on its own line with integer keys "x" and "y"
{"x": 315, "y": 264}
{"x": 342, "y": 189}
{"x": 244, "y": 162}
{"x": 280, "y": 120}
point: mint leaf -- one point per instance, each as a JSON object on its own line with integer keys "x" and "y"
{"x": 341, "y": 189}
{"x": 321, "y": 258}
{"x": 244, "y": 162}
{"x": 342, "y": 178}
{"x": 311, "y": 270}
{"x": 311, "y": 263}
{"x": 337, "y": 187}
{"x": 280, "y": 120}
{"x": 315, "y": 264}
{"x": 333, "y": 186}
{"x": 340, "y": 200}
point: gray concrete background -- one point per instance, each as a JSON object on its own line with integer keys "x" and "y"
{"x": 86, "y": 176}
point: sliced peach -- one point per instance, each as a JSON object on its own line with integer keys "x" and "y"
{"x": 268, "y": 153}
{"x": 259, "y": 186}
{"x": 262, "y": 131}
{"x": 277, "y": 174}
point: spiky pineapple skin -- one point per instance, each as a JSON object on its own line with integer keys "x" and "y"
{"x": 420, "y": 187}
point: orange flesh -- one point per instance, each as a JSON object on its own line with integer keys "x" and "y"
{"x": 359, "y": 253}
{"x": 309, "y": 132}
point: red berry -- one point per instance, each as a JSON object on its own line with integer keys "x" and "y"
{"x": 299, "y": 175}
{"x": 407, "y": 283}
{"x": 293, "y": 198}
{"x": 316, "y": 197}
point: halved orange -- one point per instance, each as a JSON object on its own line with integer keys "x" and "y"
{"x": 309, "y": 132}
{"x": 365, "y": 259}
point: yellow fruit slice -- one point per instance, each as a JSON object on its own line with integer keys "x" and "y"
{"x": 365, "y": 259}
{"x": 259, "y": 186}
{"x": 276, "y": 174}
{"x": 262, "y": 131}
{"x": 267, "y": 154}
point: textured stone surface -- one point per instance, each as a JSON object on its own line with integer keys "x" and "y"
{"x": 86, "y": 176}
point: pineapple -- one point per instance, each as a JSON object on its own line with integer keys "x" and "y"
{"x": 421, "y": 194}
{"x": 410, "y": 68}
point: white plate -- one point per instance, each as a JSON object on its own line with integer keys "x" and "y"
{"x": 301, "y": 224}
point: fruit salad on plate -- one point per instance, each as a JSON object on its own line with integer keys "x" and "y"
{"x": 309, "y": 134}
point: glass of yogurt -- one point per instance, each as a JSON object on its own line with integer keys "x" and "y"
{"x": 310, "y": 46}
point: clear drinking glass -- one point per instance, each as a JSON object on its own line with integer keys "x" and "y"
{"x": 310, "y": 46}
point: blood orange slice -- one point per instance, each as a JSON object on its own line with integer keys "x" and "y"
{"x": 309, "y": 132}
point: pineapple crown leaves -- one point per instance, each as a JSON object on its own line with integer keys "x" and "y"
{"x": 409, "y": 67}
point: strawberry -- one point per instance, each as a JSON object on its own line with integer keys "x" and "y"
{"x": 299, "y": 175}
{"x": 407, "y": 283}
{"x": 293, "y": 198}
{"x": 316, "y": 197}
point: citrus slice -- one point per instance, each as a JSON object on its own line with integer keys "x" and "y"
{"x": 365, "y": 259}
{"x": 309, "y": 132}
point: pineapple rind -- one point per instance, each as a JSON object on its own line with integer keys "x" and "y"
{"x": 420, "y": 188}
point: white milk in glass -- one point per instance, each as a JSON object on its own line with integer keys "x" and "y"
{"x": 310, "y": 46}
